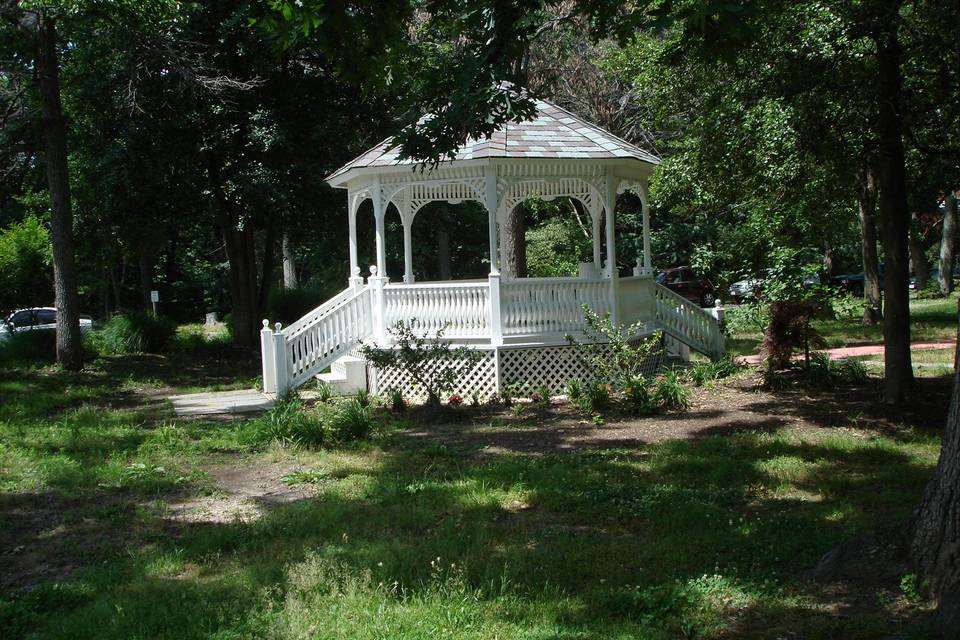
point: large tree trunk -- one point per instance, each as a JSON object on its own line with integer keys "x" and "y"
{"x": 948, "y": 242}
{"x": 935, "y": 542}
{"x": 249, "y": 287}
{"x": 69, "y": 346}
{"x": 289, "y": 263}
{"x": 867, "y": 199}
{"x": 898, "y": 369}
{"x": 918, "y": 261}
{"x": 513, "y": 244}
{"x": 146, "y": 263}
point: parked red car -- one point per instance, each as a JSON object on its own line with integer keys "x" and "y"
{"x": 683, "y": 281}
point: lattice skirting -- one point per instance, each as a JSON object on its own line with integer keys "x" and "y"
{"x": 478, "y": 377}
{"x": 523, "y": 368}
{"x": 526, "y": 369}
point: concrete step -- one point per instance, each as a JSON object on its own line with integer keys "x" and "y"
{"x": 348, "y": 374}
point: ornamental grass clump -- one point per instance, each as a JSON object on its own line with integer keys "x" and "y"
{"x": 670, "y": 393}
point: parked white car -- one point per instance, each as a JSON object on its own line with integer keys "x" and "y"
{"x": 36, "y": 319}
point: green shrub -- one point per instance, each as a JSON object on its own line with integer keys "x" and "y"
{"x": 431, "y": 364}
{"x": 324, "y": 391}
{"x": 671, "y": 393}
{"x": 703, "y": 373}
{"x": 135, "y": 333}
{"x": 198, "y": 338}
{"x": 541, "y": 396}
{"x": 349, "y": 420}
{"x": 25, "y": 256}
{"x": 596, "y": 398}
{"x": 574, "y": 390}
{"x": 820, "y": 370}
{"x": 29, "y": 347}
{"x": 747, "y": 318}
{"x": 853, "y": 370}
{"x": 289, "y": 421}
{"x": 638, "y": 397}
{"x": 397, "y": 403}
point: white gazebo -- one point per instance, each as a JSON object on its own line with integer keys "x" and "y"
{"x": 520, "y": 324}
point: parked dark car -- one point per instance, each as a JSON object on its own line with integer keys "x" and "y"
{"x": 853, "y": 282}
{"x": 683, "y": 281}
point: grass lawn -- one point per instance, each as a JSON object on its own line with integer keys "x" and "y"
{"x": 119, "y": 521}
{"x": 930, "y": 320}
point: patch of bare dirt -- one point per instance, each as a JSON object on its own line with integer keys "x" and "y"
{"x": 736, "y": 406}
{"x": 246, "y": 491}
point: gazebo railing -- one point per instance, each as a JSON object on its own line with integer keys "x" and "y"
{"x": 461, "y": 309}
{"x": 532, "y": 306}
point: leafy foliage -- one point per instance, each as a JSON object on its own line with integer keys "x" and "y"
{"x": 611, "y": 352}
{"x": 135, "y": 332}
{"x": 430, "y": 362}
{"x": 25, "y": 271}
{"x": 670, "y": 392}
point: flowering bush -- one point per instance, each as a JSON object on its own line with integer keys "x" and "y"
{"x": 455, "y": 400}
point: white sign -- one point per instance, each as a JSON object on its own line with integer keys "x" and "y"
{"x": 154, "y": 296}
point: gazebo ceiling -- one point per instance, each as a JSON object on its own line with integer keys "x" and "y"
{"x": 553, "y": 134}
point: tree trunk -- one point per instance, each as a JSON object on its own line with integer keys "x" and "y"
{"x": 443, "y": 253}
{"x": 146, "y": 263}
{"x": 513, "y": 244}
{"x": 918, "y": 261}
{"x": 289, "y": 264}
{"x": 243, "y": 294}
{"x": 69, "y": 346}
{"x": 935, "y": 542}
{"x": 898, "y": 370}
{"x": 948, "y": 242}
{"x": 867, "y": 199}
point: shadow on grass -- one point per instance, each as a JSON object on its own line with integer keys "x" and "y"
{"x": 693, "y": 538}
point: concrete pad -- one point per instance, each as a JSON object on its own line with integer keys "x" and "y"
{"x": 220, "y": 402}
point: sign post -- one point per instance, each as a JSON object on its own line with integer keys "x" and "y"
{"x": 154, "y": 299}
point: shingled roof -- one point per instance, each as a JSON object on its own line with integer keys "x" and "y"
{"x": 554, "y": 133}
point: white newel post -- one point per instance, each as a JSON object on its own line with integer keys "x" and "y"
{"x": 280, "y": 368}
{"x": 267, "y": 361}
{"x": 491, "y": 201}
{"x": 378, "y": 305}
{"x": 611, "y": 204}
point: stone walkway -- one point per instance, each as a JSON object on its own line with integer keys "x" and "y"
{"x": 863, "y": 350}
{"x": 220, "y": 403}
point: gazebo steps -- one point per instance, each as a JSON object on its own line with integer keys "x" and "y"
{"x": 347, "y": 375}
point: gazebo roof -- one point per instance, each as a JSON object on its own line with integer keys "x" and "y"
{"x": 554, "y": 133}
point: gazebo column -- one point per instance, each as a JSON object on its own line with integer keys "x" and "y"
{"x": 406, "y": 219}
{"x": 378, "y": 274}
{"x": 610, "y": 202}
{"x": 491, "y": 200}
{"x": 354, "y": 279}
{"x": 647, "y": 268}
{"x": 595, "y": 211}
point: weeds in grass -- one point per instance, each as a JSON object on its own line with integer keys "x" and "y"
{"x": 350, "y": 420}
{"x": 670, "y": 392}
{"x": 397, "y": 403}
{"x": 324, "y": 391}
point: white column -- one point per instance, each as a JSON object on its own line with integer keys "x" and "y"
{"x": 406, "y": 219}
{"x": 267, "y": 359}
{"x": 595, "y": 233}
{"x": 354, "y": 279}
{"x": 647, "y": 263}
{"x": 610, "y": 202}
{"x": 491, "y": 201}
{"x": 280, "y": 369}
{"x": 379, "y": 211}
{"x": 378, "y": 305}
